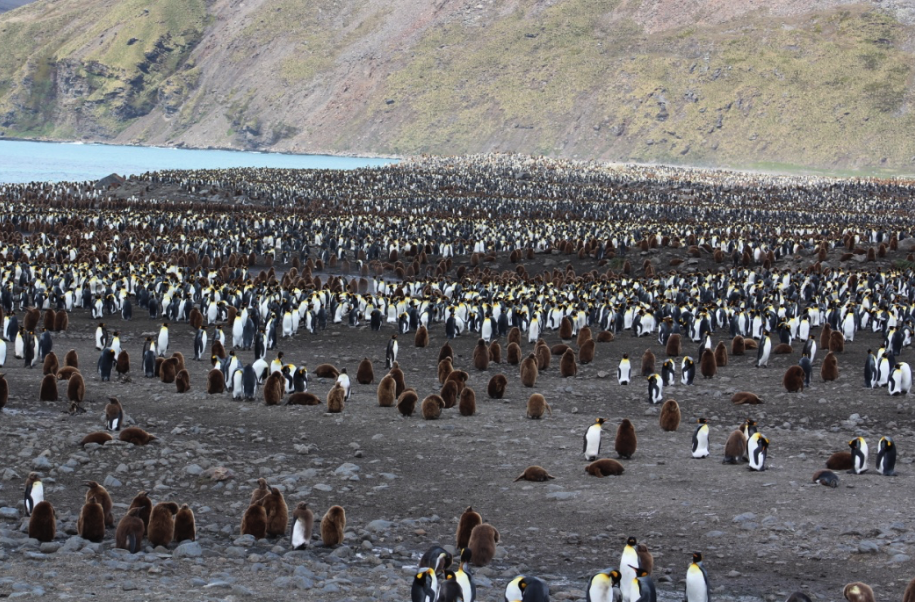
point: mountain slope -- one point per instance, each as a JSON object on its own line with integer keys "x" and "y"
{"x": 813, "y": 83}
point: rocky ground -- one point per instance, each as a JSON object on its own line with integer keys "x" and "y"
{"x": 405, "y": 481}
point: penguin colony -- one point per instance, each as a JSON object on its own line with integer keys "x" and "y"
{"x": 409, "y": 284}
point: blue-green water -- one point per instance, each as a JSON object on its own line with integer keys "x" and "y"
{"x": 22, "y": 161}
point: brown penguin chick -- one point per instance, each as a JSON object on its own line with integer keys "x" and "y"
{"x": 467, "y": 405}
{"x": 793, "y": 379}
{"x": 114, "y": 414}
{"x": 605, "y": 336}
{"x": 219, "y": 350}
{"x": 48, "y": 389}
{"x": 302, "y": 515}
{"x": 445, "y": 368}
{"x": 254, "y": 521}
{"x": 332, "y": 526}
{"x": 66, "y": 372}
{"x": 825, "y": 336}
{"x": 260, "y": 492}
{"x": 30, "y": 319}
{"x": 91, "y": 523}
{"x": 161, "y": 528}
{"x": 129, "y": 534}
{"x": 76, "y": 388}
{"x": 543, "y": 355}
{"x": 648, "y": 361}
{"x": 749, "y": 344}
{"x": 565, "y": 329}
{"x": 303, "y": 398}
{"x": 326, "y": 371}
{"x": 136, "y": 435}
{"x": 829, "y": 369}
{"x": 61, "y": 321}
{"x": 183, "y": 381}
{"x": 99, "y": 437}
{"x": 460, "y": 377}
{"x": 721, "y": 354}
{"x": 432, "y": 407}
{"x": 567, "y": 365}
{"x": 858, "y": 592}
{"x": 482, "y": 544}
{"x": 446, "y": 351}
{"x": 195, "y": 319}
{"x": 495, "y": 352}
{"x": 735, "y": 448}
{"x": 4, "y": 392}
{"x": 909, "y": 595}
{"x": 646, "y": 560}
{"x": 168, "y": 371}
{"x": 745, "y": 397}
{"x": 216, "y": 382}
{"x": 335, "y": 402}
{"x": 398, "y": 376}
{"x": 102, "y": 497}
{"x": 537, "y": 474}
{"x": 365, "y": 373}
{"x": 674, "y": 345}
{"x": 708, "y": 367}
{"x": 513, "y": 354}
{"x": 841, "y": 461}
{"x": 559, "y": 349}
{"x": 626, "y": 441}
{"x": 158, "y": 367}
{"x": 277, "y": 513}
{"x": 738, "y": 346}
{"x": 42, "y": 523}
{"x": 178, "y": 356}
{"x": 274, "y": 388}
{"x": 670, "y": 415}
{"x": 496, "y": 387}
{"x": 50, "y": 317}
{"x": 604, "y": 468}
{"x": 142, "y": 501}
{"x": 50, "y": 364}
{"x": 782, "y": 349}
{"x": 537, "y": 405}
{"x": 469, "y": 519}
{"x": 386, "y": 390}
{"x": 422, "y": 337}
{"x": 514, "y": 335}
{"x": 449, "y": 393}
{"x": 584, "y": 335}
{"x": 529, "y": 371}
{"x": 836, "y": 342}
{"x": 185, "y": 524}
{"x": 406, "y": 403}
{"x": 122, "y": 364}
{"x": 586, "y": 352}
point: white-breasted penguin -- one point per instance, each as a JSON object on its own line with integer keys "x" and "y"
{"x": 390, "y": 354}
{"x": 624, "y": 371}
{"x": 700, "y": 439}
{"x": 629, "y": 562}
{"x": 858, "y": 455}
{"x": 162, "y": 341}
{"x": 604, "y": 586}
{"x": 343, "y": 381}
{"x": 527, "y": 589}
{"x": 886, "y": 457}
{"x": 642, "y": 589}
{"x": 757, "y": 450}
{"x": 591, "y": 447}
{"x": 200, "y": 343}
{"x": 687, "y": 370}
{"x": 425, "y": 586}
{"x": 34, "y": 493}
{"x": 464, "y": 576}
{"x": 655, "y": 389}
{"x": 697, "y": 589}
{"x": 765, "y": 348}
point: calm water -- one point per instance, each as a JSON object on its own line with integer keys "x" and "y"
{"x": 22, "y": 161}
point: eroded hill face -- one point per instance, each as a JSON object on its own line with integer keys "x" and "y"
{"x": 824, "y": 83}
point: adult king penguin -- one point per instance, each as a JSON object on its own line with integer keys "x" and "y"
{"x": 390, "y": 354}
{"x": 700, "y": 439}
{"x": 757, "y": 450}
{"x": 697, "y": 589}
{"x": 591, "y": 446}
{"x": 886, "y": 457}
{"x": 527, "y": 589}
{"x": 624, "y": 371}
{"x": 604, "y": 586}
{"x": 34, "y": 493}
{"x": 858, "y": 455}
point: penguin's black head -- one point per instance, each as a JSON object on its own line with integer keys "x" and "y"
{"x": 702, "y": 421}
{"x": 697, "y": 556}
{"x": 631, "y": 541}
{"x": 639, "y": 572}
{"x": 600, "y": 420}
{"x": 466, "y": 554}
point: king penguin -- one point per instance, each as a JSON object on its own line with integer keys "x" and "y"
{"x": 806, "y": 366}
{"x": 629, "y": 562}
{"x": 687, "y": 370}
{"x": 464, "y": 577}
{"x": 655, "y": 389}
{"x": 200, "y": 343}
{"x": 106, "y": 363}
{"x": 390, "y": 354}
{"x": 624, "y": 372}
{"x": 859, "y": 455}
{"x": 757, "y": 450}
{"x": 765, "y": 348}
{"x": 34, "y": 493}
{"x": 527, "y": 589}
{"x": 886, "y": 457}
{"x": 700, "y": 439}
{"x": 425, "y": 586}
{"x": 162, "y": 341}
{"x": 604, "y": 586}
{"x": 697, "y": 589}
{"x": 591, "y": 446}
{"x": 642, "y": 589}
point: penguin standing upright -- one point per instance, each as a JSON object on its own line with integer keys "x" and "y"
{"x": 249, "y": 382}
{"x": 624, "y": 371}
{"x": 127, "y": 309}
{"x": 301, "y": 528}
{"x": 700, "y": 439}
{"x": 390, "y": 354}
{"x": 464, "y": 577}
{"x": 668, "y": 375}
{"x": 642, "y": 589}
{"x": 34, "y": 493}
{"x": 870, "y": 370}
{"x": 687, "y": 370}
{"x": 19, "y": 344}
{"x": 106, "y": 363}
{"x": 810, "y": 348}
{"x": 762, "y": 353}
{"x": 200, "y": 343}
{"x": 343, "y": 381}
{"x": 697, "y": 589}
{"x": 591, "y": 446}
{"x": 629, "y": 562}
{"x": 2, "y": 352}
{"x": 149, "y": 362}
{"x": 757, "y": 450}
{"x": 162, "y": 341}
{"x": 425, "y": 586}
{"x": 655, "y": 389}
{"x": 886, "y": 457}
{"x": 45, "y": 344}
{"x": 101, "y": 336}
{"x": 604, "y": 586}
{"x": 114, "y": 414}
{"x": 806, "y": 366}
{"x": 858, "y": 455}
{"x": 28, "y": 349}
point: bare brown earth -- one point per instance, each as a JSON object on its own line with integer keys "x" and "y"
{"x": 763, "y": 535}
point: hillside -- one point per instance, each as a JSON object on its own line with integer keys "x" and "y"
{"x": 820, "y": 84}
{"x": 6, "y": 5}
